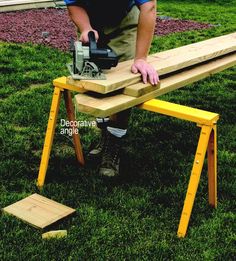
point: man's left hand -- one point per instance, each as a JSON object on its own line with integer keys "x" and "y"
{"x": 147, "y": 71}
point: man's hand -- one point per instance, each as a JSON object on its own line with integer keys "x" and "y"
{"x": 84, "y": 35}
{"x": 147, "y": 71}
{"x": 146, "y": 25}
{"x": 81, "y": 19}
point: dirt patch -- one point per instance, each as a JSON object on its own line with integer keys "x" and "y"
{"x": 166, "y": 25}
{"x": 53, "y": 27}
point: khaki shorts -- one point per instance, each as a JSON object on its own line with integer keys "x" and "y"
{"x": 122, "y": 38}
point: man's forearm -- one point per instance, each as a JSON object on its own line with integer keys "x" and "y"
{"x": 80, "y": 18}
{"x": 146, "y": 26}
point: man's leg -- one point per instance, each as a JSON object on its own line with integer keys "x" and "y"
{"x": 123, "y": 43}
{"x": 116, "y": 131}
{"x": 122, "y": 40}
{"x": 95, "y": 152}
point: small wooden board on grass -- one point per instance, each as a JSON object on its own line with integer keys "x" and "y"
{"x": 39, "y": 211}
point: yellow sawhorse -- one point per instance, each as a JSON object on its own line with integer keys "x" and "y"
{"x": 59, "y": 87}
{"x": 207, "y": 142}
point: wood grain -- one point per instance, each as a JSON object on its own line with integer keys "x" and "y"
{"x": 141, "y": 89}
{"x": 38, "y": 211}
{"x": 164, "y": 63}
{"x": 102, "y": 107}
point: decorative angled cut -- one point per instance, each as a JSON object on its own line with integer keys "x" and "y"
{"x": 164, "y": 63}
{"x": 108, "y": 105}
{"x": 38, "y": 211}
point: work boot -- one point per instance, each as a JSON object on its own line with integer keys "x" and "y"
{"x": 110, "y": 162}
{"x": 95, "y": 153}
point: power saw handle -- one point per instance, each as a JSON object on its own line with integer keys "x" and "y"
{"x": 94, "y": 51}
{"x": 92, "y": 40}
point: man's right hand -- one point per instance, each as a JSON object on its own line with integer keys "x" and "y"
{"x": 84, "y": 35}
{"x": 81, "y": 19}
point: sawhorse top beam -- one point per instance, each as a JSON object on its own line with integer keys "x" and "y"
{"x": 180, "y": 111}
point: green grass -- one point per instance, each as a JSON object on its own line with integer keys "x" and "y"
{"x": 135, "y": 216}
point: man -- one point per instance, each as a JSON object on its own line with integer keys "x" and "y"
{"x": 127, "y": 27}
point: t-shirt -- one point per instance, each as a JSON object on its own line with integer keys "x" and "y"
{"x": 106, "y": 12}
{"x": 130, "y": 2}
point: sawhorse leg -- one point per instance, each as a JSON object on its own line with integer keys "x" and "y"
{"x": 51, "y": 131}
{"x": 212, "y": 167}
{"x": 207, "y": 141}
{"x": 49, "y": 136}
{"x": 71, "y": 117}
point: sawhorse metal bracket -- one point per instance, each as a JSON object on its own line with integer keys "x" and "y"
{"x": 207, "y": 142}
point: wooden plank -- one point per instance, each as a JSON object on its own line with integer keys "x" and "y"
{"x": 137, "y": 91}
{"x": 7, "y": 6}
{"x": 164, "y": 62}
{"x": 19, "y": 2}
{"x": 38, "y": 211}
{"x": 131, "y": 90}
{"x": 102, "y": 107}
{"x": 12, "y": 8}
{"x": 54, "y": 234}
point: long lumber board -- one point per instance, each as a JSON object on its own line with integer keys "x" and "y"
{"x": 102, "y": 107}
{"x": 164, "y": 63}
{"x": 18, "y": 2}
{"x": 14, "y": 5}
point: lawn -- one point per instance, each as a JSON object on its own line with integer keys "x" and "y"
{"x": 134, "y": 216}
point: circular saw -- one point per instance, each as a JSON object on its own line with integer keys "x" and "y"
{"x": 89, "y": 61}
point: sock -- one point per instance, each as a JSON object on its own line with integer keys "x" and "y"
{"x": 102, "y": 122}
{"x": 117, "y": 132}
